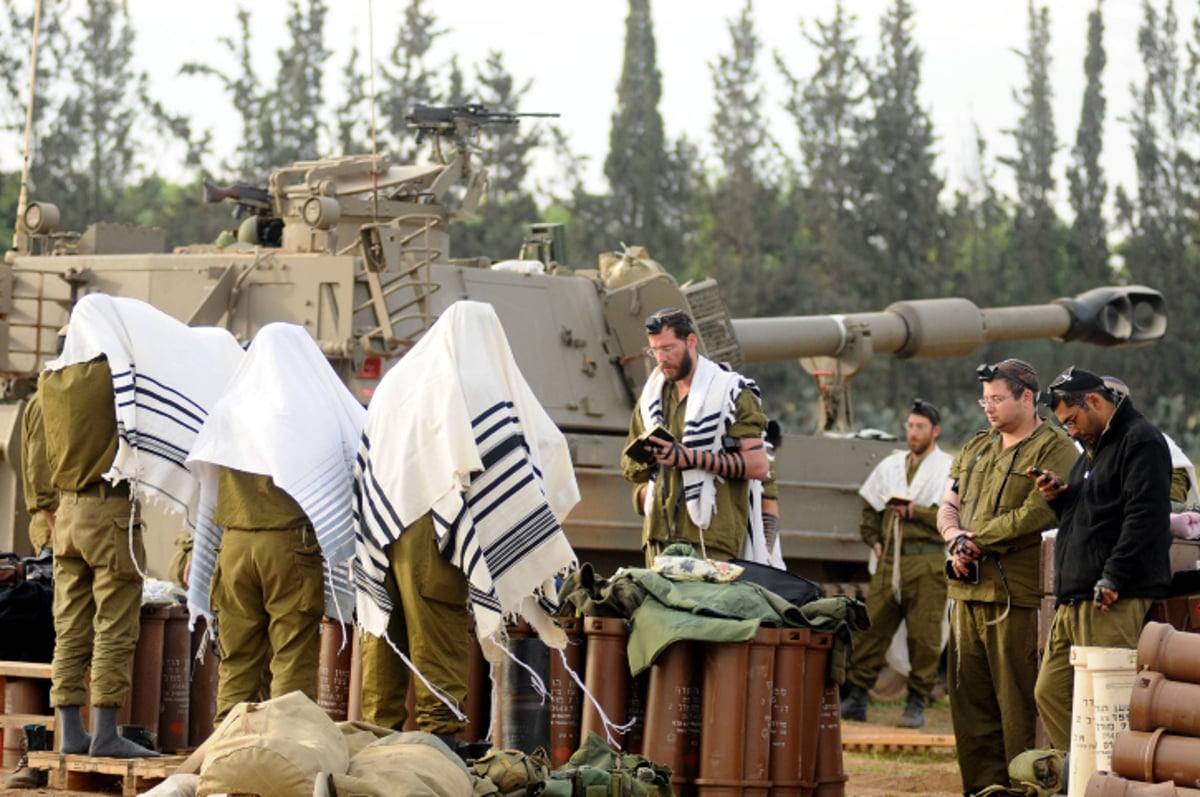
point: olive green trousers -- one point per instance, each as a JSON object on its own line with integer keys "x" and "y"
{"x": 991, "y": 671}
{"x": 97, "y": 597}
{"x": 430, "y": 622}
{"x": 268, "y": 597}
{"x": 1081, "y": 624}
{"x": 922, "y": 607}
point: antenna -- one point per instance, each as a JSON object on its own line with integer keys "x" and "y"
{"x": 374, "y": 146}
{"x": 23, "y": 197}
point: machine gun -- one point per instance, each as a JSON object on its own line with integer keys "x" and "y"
{"x": 456, "y": 120}
{"x": 247, "y": 198}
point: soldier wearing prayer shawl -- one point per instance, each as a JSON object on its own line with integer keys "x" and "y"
{"x": 899, "y": 522}
{"x": 700, "y": 487}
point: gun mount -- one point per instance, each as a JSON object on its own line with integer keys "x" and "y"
{"x": 364, "y": 261}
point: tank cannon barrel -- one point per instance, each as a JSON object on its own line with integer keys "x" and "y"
{"x": 1109, "y": 316}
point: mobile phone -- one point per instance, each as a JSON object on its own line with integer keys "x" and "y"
{"x": 1037, "y": 472}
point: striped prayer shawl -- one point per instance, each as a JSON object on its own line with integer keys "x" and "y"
{"x": 454, "y": 429}
{"x": 165, "y": 377}
{"x": 287, "y": 415}
{"x": 711, "y": 408}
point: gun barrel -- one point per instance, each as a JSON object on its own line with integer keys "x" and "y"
{"x": 239, "y": 193}
{"x": 1111, "y": 316}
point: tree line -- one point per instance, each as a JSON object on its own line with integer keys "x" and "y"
{"x": 844, "y": 211}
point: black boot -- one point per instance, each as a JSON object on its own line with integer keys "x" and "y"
{"x": 914, "y": 711}
{"x": 854, "y": 704}
{"x": 105, "y": 741}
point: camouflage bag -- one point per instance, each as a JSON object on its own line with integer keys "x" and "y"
{"x": 511, "y": 772}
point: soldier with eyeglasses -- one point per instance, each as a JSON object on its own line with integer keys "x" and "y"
{"x": 705, "y": 486}
{"x": 1112, "y": 553}
{"x": 992, "y": 518}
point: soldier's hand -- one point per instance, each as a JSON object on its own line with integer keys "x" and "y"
{"x": 673, "y": 455}
{"x": 878, "y": 549}
{"x": 1104, "y": 595}
{"x": 1047, "y": 482}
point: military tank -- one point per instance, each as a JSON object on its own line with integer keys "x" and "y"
{"x": 359, "y": 252}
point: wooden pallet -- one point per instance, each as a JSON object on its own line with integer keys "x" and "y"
{"x": 879, "y": 739}
{"x": 84, "y": 773}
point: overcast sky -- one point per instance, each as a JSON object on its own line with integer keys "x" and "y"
{"x": 572, "y": 51}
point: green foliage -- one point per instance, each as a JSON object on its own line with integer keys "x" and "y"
{"x": 1089, "y": 188}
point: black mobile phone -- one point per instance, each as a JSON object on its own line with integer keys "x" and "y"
{"x": 1037, "y": 472}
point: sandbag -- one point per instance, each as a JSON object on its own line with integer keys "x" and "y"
{"x": 276, "y": 747}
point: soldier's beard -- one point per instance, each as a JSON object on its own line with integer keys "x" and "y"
{"x": 686, "y": 363}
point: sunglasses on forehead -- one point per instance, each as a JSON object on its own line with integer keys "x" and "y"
{"x": 986, "y": 373}
{"x": 669, "y": 317}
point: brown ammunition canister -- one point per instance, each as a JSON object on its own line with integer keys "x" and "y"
{"x": 1173, "y": 653}
{"x": 333, "y": 669}
{"x": 606, "y": 673}
{"x": 787, "y": 727}
{"x": 148, "y": 670}
{"x": 635, "y": 712}
{"x": 566, "y": 698}
{"x": 202, "y": 705}
{"x": 176, "y": 672}
{"x": 816, "y": 659}
{"x": 525, "y": 715}
{"x": 1160, "y": 703}
{"x": 831, "y": 777}
{"x": 723, "y": 720}
{"x": 1106, "y": 784}
{"x": 760, "y": 693}
{"x": 1157, "y": 756}
{"x": 672, "y": 735}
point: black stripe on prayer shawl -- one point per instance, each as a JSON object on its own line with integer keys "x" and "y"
{"x": 484, "y": 600}
{"x": 378, "y": 504}
{"x": 143, "y": 397}
{"x": 502, "y": 449}
{"x": 375, "y": 590}
{"x": 148, "y": 444}
{"x": 140, "y": 377}
{"x": 538, "y": 527}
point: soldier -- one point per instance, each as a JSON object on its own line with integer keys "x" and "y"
{"x": 1112, "y": 553}
{"x": 992, "y": 518}
{"x": 899, "y": 522}
{"x": 41, "y": 499}
{"x": 277, "y": 452}
{"x": 97, "y": 582}
{"x": 712, "y": 465}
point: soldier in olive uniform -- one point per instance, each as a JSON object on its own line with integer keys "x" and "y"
{"x": 899, "y": 522}
{"x": 97, "y": 583}
{"x": 430, "y": 623}
{"x": 267, "y": 592}
{"x": 991, "y": 518}
{"x": 41, "y": 499}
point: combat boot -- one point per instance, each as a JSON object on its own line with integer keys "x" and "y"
{"x": 23, "y": 777}
{"x": 914, "y": 711}
{"x": 854, "y": 704}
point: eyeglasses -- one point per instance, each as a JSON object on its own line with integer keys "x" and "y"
{"x": 662, "y": 351}
{"x": 992, "y": 401}
{"x": 1069, "y": 421}
{"x": 668, "y": 317}
{"x": 986, "y": 373}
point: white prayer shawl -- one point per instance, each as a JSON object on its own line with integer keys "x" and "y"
{"x": 286, "y": 415}
{"x": 711, "y": 409}
{"x": 889, "y": 480}
{"x": 1180, "y": 460}
{"x": 166, "y": 377}
{"x": 454, "y": 428}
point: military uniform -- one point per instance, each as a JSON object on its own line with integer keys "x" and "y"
{"x": 40, "y": 495}
{"x": 669, "y": 520}
{"x": 922, "y": 604}
{"x": 97, "y": 584}
{"x": 429, "y": 623}
{"x": 267, "y": 591}
{"x": 992, "y": 664}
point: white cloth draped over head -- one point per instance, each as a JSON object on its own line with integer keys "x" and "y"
{"x": 285, "y": 414}
{"x": 454, "y": 428}
{"x": 711, "y": 409}
{"x": 166, "y": 377}
{"x": 890, "y": 480}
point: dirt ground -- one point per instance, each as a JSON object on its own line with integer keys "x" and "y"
{"x": 934, "y": 773}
